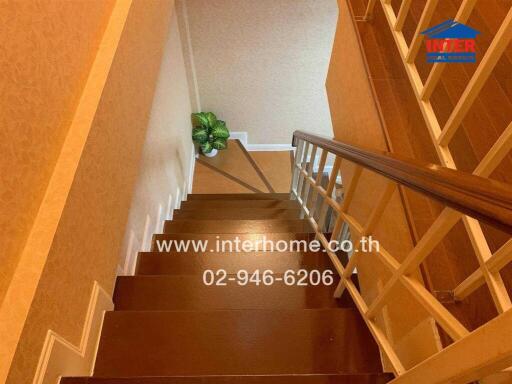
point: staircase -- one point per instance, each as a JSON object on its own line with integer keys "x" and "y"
{"x": 169, "y": 327}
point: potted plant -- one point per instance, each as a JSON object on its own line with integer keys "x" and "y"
{"x": 209, "y": 133}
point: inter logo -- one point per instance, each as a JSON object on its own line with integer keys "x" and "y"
{"x": 451, "y": 42}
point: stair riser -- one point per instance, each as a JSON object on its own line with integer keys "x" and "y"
{"x": 235, "y": 343}
{"x": 238, "y": 214}
{"x": 151, "y": 263}
{"x": 282, "y": 379}
{"x": 240, "y": 196}
{"x": 236, "y": 226}
{"x": 255, "y": 238}
{"x": 153, "y": 293}
{"x": 237, "y": 204}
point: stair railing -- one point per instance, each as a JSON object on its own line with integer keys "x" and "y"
{"x": 473, "y": 354}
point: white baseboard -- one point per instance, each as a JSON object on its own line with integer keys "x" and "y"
{"x": 135, "y": 246}
{"x": 128, "y": 265}
{"x": 179, "y": 198}
{"x": 242, "y": 136}
{"x": 61, "y": 358}
{"x": 147, "y": 235}
{"x": 244, "y": 139}
{"x": 269, "y": 147}
{"x": 159, "y": 219}
{"x": 191, "y": 169}
{"x": 185, "y": 191}
{"x": 170, "y": 208}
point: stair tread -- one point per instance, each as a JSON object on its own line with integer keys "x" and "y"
{"x": 238, "y": 213}
{"x": 184, "y": 263}
{"x": 239, "y": 196}
{"x": 237, "y": 226}
{"x": 233, "y": 204}
{"x": 235, "y": 342}
{"x": 242, "y": 237}
{"x": 380, "y": 378}
{"x": 286, "y": 235}
{"x": 147, "y": 293}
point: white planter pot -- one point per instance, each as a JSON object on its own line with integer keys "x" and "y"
{"x": 213, "y": 153}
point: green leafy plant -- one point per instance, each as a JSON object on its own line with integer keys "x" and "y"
{"x": 208, "y": 132}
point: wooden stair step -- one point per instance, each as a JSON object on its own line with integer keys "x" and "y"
{"x": 235, "y": 342}
{"x": 207, "y": 204}
{"x": 239, "y": 196}
{"x": 190, "y": 263}
{"x": 381, "y": 378}
{"x": 167, "y": 293}
{"x": 237, "y": 226}
{"x": 255, "y": 238}
{"x": 237, "y": 213}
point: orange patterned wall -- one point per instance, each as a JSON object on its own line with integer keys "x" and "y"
{"x": 86, "y": 244}
{"x": 47, "y": 51}
{"x": 356, "y": 120}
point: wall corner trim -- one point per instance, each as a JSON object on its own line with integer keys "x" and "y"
{"x": 61, "y": 358}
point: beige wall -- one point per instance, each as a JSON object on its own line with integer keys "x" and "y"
{"x": 77, "y": 235}
{"x": 261, "y": 65}
{"x": 167, "y": 154}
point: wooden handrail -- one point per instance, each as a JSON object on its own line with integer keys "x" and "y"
{"x": 481, "y": 198}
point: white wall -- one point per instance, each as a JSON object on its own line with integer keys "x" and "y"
{"x": 261, "y": 65}
{"x": 167, "y": 154}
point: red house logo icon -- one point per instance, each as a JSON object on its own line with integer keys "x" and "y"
{"x": 451, "y": 42}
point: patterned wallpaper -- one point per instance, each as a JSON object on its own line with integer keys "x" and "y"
{"x": 47, "y": 50}
{"x": 87, "y": 242}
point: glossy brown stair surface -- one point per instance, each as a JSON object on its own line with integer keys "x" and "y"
{"x": 255, "y": 239}
{"x": 254, "y": 379}
{"x": 169, "y": 327}
{"x": 189, "y": 263}
{"x": 235, "y": 342}
{"x": 240, "y": 213}
{"x": 237, "y": 226}
{"x": 153, "y": 293}
{"x": 240, "y": 196}
{"x": 232, "y": 204}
